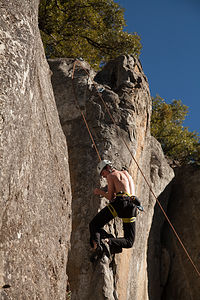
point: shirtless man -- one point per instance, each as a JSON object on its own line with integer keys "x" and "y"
{"x": 120, "y": 190}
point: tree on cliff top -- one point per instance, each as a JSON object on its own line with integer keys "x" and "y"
{"x": 85, "y": 28}
{"x": 166, "y": 126}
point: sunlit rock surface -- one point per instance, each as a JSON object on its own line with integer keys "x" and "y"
{"x": 124, "y": 88}
{"x": 35, "y": 192}
{"x": 39, "y": 178}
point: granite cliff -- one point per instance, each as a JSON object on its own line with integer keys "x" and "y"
{"x": 124, "y": 88}
{"x": 35, "y": 190}
{"x": 48, "y": 174}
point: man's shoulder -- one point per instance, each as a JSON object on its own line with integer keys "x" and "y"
{"x": 113, "y": 175}
{"x": 124, "y": 171}
{"x": 117, "y": 172}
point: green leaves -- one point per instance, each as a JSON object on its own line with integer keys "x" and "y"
{"x": 166, "y": 126}
{"x": 85, "y": 28}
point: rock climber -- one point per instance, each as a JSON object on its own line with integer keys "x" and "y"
{"x": 122, "y": 203}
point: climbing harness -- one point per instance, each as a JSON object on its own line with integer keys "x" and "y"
{"x": 112, "y": 210}
{"x": 129, "y": 220}
{"x": 139, "y": 207}
{"x": 99, "y": 91}
{"x": 132, "y": 199}
{"x": 123, "y": 194}
{"x": 114, "y": 213}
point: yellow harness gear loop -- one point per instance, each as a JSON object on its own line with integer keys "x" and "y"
{"x": 123, "y": 194}
{"x": 112, "y": 210}
{"x": 129, "y": 220}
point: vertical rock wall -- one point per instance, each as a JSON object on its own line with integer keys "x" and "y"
{"x": 36, "y": 186}
{"x": 159, "y": 174}
{"x": 35, "y": 194}
{"x": 124, "y": 88}
{"x": 171, "y": 273}
{"x": 181, "y": 281}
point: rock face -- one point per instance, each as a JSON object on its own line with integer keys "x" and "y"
{"x": 35, "y": 193}
{"x": 182, "y": 281}
{"x": 173, "y": 275}
{"x": 38, "y": 179}
{"x": 124, "y": 88}
{"x": 157, "y": 256}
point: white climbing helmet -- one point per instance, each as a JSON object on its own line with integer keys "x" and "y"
{"x": 102, "y": 164}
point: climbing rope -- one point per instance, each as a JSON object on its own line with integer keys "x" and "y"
{"x": 108, "y": 111}
{"x": 84, "y": 119}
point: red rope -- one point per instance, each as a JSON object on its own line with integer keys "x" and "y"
{"x": 84, "y": 119}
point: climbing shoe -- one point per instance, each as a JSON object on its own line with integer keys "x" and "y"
{"x": 106, "y": 248}
{"x": 96, "y": 254}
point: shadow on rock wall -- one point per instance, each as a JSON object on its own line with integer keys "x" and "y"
{"x": 157, "y": 256}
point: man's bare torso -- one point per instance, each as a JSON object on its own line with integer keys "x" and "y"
{"x": 121, "y": 181}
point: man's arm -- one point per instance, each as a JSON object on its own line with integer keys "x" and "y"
{"x": 101, "y": 193}
{"x": 110, "y": 193}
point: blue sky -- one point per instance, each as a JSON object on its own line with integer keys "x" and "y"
{"x": 170, "y": 36}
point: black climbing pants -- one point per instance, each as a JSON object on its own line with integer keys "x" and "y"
{"x": 122, "y": 207}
